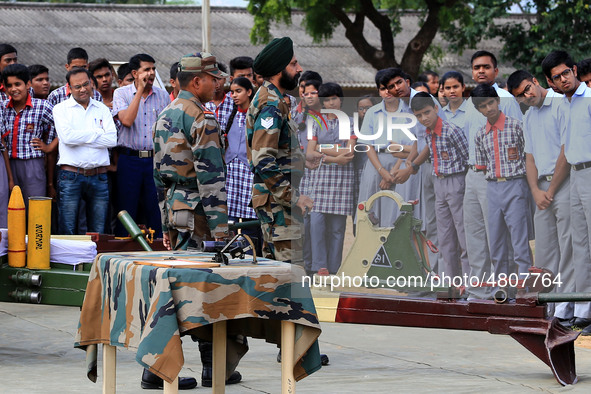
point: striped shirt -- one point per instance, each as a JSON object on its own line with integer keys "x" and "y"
{"x": 63, "y": 93}
{"x": 35, "y": 120}
{"x": 500, "y": 148}
{"x": 448, "y": 147}
{"x": 139, "y": 135}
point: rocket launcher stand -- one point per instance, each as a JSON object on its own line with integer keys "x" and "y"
{"x": 397, "y": 251}
{"x": 525, "y": 321}
{"x": 401, "y": 251}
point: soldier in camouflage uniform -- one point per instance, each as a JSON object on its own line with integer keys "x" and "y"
{"x": 274, "y": 154}
{"x": 189, "y": 162}
{"x": 190, "y": 175}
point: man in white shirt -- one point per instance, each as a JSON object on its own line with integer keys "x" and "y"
{"x": 86, "y": 130}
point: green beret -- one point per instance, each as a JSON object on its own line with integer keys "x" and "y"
{"x": 274, "y": 57}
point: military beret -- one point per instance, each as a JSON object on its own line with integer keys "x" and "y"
{"x": 274, "y": 57}
{"x": 201, "y": 62}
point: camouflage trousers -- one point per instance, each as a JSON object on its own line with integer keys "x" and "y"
{"x": 188, "y": 229}
{"x": 282, "y": 233}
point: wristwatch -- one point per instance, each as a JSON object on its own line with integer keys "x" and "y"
{"x": 415, "y": 167}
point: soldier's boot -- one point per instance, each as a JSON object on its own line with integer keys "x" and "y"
{"x": 206, "y": 350}
{"x": 152, "y": 381}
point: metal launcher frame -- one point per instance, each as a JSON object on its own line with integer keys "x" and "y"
{"x": 401, "y": 250}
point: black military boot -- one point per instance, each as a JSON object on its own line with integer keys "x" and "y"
{"x": 206, "y": 350}
{"x": 152, "y": 381}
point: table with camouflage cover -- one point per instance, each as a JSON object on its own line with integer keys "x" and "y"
{"x": 148, "y": 309}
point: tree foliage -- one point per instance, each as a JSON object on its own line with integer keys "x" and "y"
{"x": 551, "y": 24}
{"x": 321, "y": 18}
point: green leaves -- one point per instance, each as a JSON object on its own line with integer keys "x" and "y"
{"x": 552, "y": 24}
{"x": 265, "y": 12}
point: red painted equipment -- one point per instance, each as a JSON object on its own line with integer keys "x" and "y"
{"x": 524, "y": 320}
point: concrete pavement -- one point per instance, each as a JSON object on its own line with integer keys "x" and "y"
{"x": 37, "y": 356}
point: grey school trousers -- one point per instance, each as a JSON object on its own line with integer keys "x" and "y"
{"x": 475, "y": 227}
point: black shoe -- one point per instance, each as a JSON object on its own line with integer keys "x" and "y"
{"x": 152, "y": 381}
{"x": 586, "y": 331}
{"x": 207, "y": 377}
{"x": 323, "y": 358}
{"x": 582, "y": 322}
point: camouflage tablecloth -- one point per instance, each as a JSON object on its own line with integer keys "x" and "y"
{"x": 148, "y": 309}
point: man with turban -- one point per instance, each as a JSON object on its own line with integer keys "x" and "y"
{"x": 275, "y": 156}
{"x": 274, "y": 153}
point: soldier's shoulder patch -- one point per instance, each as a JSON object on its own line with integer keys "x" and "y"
{"x": 267, "y": 122}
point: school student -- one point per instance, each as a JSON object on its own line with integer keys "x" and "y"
{"x": 457, "y": 106}
{"x": 447, "y": 147}
{"x": 499, "y": 147}
{"x": 484, "y": 71}
{"x": 560, "y": 69}
{"x": 384, "y": 155}
{"x": 23, "y": 119}
{"x": 239, "y": 178}
{"x": 548, "y": 178}
{"x": 6, "y": 184}
{"x": 330, "y": 185}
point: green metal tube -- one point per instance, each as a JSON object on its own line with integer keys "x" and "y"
{"x": 563, "y": 297}
{"x": 245, "y": 224}
{"x": 26, "y": 278}
{"x": 133, "y": 230}
{"x": 26, "y": 295}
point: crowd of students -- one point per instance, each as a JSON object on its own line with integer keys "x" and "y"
{"x": 490, "y": 172}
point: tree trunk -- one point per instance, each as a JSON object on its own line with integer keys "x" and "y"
{"x": 384, "y": 57}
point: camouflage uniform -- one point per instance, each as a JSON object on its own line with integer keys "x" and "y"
{"x": 190, "y": 173}
{"x": 277, "y": 162}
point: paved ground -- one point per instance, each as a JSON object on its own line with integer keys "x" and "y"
{"x": 37, "y": 356}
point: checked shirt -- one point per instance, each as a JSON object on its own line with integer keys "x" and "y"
{"x": 222, "y": 111}
{"x": 330, "y": 186}
{"x": 448, "y": 148}
{"x": 239, "y": 178}
{"x": 500, "y": 148}
{"x": 35, "y": 120}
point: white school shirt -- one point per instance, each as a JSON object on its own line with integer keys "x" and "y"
{"x": 577, "y": 133}
{"x": 542, "y": 132}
